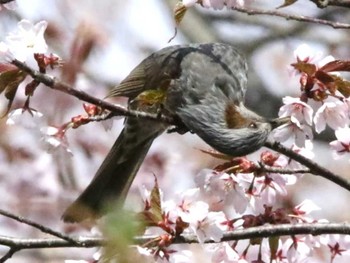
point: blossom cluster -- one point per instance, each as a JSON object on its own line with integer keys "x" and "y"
{"x": 324, "y": 101}
{"x": 224, "y": 201}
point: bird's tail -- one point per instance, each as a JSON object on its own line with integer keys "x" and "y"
{"x": 117, "y": 172}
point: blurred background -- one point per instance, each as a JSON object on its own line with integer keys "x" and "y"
{"x": 100, "y": 42}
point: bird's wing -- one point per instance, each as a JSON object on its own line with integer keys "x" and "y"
{"x": 149, "y": 74}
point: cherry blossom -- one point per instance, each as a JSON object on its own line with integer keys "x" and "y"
{"x": 25, "y": 41}
{"x": 295, "y": 250}
{"x": 227, "y": 190}
{"x": 219, "y": 4}
{"x": 28, "y": 119}
{"x": 307, "y": 54}
{"x": 296, "y": 108}
{"x": 303, "y": 209}
{"x": 338, "y": 245}
{"x": 180, "y": 256}
{"x": 342, "y": 144}
{"x": 215, "y": 4}
{"x": 270, "y": 186}
{"x": 335, "y": 114}
{"x": 294, "y": 130}
{"x": 11, "y": 5}
{"x": 54, "y": 140}
{"x": 306, "y": 151}
{"x": 224, "y": 253}
{"x": 205, "y": 224}
{"x": 189, "y": 3}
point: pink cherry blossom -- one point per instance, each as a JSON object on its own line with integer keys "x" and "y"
{"x": 301, "y": 211}
{"x": 205, "y": 224}
{"x": 224, "y": 253}
{"x": 307, "y": 54}
{"x": 54, "y": 140}
{"x": 26, "y": 119}
{"x": 295, "y": 131}
{"x": 306, "y": 151}
{"x": 296, "y": 108}
{"x": 342, "y": 144}
{"x": 270, "y": 186}
{"x": 215, "y": 4}
{"x": 11, "y": 5}
{"x": 335, "y": 114}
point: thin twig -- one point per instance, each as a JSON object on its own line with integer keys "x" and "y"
{"x": 9, "y": 254}
{"x": 36, "y": 225}
{"x": 299, "y": 18}
{"x": 315, "y": 168}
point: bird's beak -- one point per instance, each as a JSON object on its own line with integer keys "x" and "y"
{"x": 279, "y": 122}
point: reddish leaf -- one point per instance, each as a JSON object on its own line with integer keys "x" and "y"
{"x": 324, "y": 77}
{"x": 9, "y": 82}
{"x": 336, "y": 65}
{"x": 155, "y": 202}
{"x": 225, "y": 166}
{"x": 305, "y": 67}
{"x": 343, "y": 86}
{"x": 287, "y": 3}
{"x": 216, "y": 154}
{"x": 6, "y": 67}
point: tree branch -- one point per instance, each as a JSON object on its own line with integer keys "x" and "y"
{"x": 307, "y": 19}
{"x": 239, "y": 234}
{"x": 5, "y": 1}
{"x": 36, "y": 225}
{"x": 81, "y": 95}
{"x": 315, "y": 168}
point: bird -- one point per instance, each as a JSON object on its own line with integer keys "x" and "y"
{"x": 203, "y": 87}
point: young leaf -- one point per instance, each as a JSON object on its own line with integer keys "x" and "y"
{"x": 151, "y": 97}
{"x": 9, "y": 82}
{"x": 336, "y": 65}
{"x": 343, "y": 86}
{"x": 216, "y": 154}
{"x": 156, "y": 202}
{"x": 179, "y": 12}
{"x": 305, "y": 67}
{"x": 287, "y": 3}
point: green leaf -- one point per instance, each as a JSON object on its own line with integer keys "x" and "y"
{"x": 120, "y": 228}
{"x": 273, "y": 243}
{"x": 151, "y": 97}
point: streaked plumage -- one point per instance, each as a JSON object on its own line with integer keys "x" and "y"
{"x": 203, "y": 85}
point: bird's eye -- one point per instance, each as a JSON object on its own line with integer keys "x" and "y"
{"x": 253, "y": 125}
